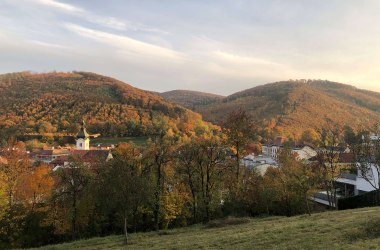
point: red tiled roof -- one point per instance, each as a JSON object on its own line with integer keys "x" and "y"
{"x": 85, "y": 155}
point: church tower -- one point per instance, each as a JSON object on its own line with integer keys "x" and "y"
{"x": 83, "y": 138}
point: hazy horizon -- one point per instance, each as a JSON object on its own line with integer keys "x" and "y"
{"x": 218, "y": 47}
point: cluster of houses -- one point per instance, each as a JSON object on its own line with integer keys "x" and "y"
{"x": 60, "y": 157}
{"x": 349, "y": 183}
{"x": 268, "y": 156}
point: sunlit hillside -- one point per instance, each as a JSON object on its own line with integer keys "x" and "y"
{"x": 350, "y": 229}
{"x": 57, "y": 102}
{"x": 291, "y": 107}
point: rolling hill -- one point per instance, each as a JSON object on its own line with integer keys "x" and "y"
{"x": 57, "y": 102}
{"x": 349, "y": 229}
{"x": 291, "y": 107}
{"x": 191, "y": 99}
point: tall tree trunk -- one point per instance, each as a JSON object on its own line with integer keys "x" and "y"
{"x": 157, "y": 205}
{"x": 74, "y": 218}
{"x": 191, "y": 184}
{"x": 237, "y": 166}
{"x": 125, "y": 228}
{"x": 204, "y": 195}
{"x": 307, "y": 204}
{"x": 208, "y": 198}
{"x": 10, "y": 199}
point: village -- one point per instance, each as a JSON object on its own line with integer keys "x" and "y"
{"x": 60, "y": 157}
{"x": 350, "y": 180}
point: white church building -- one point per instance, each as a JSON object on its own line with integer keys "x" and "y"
{"x": 83, "y": 138}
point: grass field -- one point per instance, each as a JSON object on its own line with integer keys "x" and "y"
{"x": 106, "y": 141}
{"x": 350, "y": 229}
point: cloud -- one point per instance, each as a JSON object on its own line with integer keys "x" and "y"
{"x": 238, "y": 59}
{"x": 61, "y": 6}
{"x": 238, "y": 66}
{"x": 47, "y": 45}
{"x": 125, "y": 44}
{"x": 108, "y": 22}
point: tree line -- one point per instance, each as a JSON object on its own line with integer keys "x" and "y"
{"x": 171, "y": 182}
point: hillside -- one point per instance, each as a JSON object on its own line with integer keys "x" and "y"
{"x": 57, "y": 102}
{"x": 350, "y": 229}
{"x": 191, "y": 99}
{"x": 291, "y": 107}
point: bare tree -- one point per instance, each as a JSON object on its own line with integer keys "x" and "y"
{"x": 367, "y": 156}
{"x": 328, "y": 162}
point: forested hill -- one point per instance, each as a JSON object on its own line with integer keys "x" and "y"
{"x": 57, "y": 102}
{"x": 291, "y": 107}
{"x": 191, "y": 99}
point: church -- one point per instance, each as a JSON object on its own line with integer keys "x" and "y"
{"x": 83, "y": 138}
{"x": 61, "y": 157}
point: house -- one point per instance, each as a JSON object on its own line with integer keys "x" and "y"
{"x": 48, "y": 155}
{"x": 61, "y": 157}
{"x": 304, "y": 150}
{"x": 258, "y": 163}
{"x": 351, "y": 182}
{"x": 89, "y": 157}
{"x": 272, "y": 148}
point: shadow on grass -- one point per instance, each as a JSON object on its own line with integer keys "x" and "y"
{"x": 228, "y": 221}
{"x": 370, "y": 229}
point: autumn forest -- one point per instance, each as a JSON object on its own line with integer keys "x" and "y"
{"x": 189, "y": 169}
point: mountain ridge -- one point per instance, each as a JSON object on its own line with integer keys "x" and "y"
{"x": 191, "y": 99}
{"x": 57, "y": 102}
{"x": 291, "y": 107}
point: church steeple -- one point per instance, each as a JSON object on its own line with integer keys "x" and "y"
{"x": 83, "y": 138}
{"x": 83, "y": 132}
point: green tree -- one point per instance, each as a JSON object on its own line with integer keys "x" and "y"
{"x": 71, "y": 188}
{"x": 122, "y": 185}
{"x": 239, "y": 129}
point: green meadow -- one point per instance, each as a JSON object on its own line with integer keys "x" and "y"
{"x": 350, "y": 229}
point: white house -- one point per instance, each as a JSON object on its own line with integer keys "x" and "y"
{"x": 259, "y": 163}
{"x": 303, "y": 151}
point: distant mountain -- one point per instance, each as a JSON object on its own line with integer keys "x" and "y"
{"x": 57, "y": 102}
{"x": 291, "y": 107}
{"x": 191, "y": 99}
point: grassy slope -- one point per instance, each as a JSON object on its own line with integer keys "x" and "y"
{"x": 329, "y": 230}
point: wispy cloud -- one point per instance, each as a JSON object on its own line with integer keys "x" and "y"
{"x": 48, "y": 45}
{"x": 109, "y": 22}
{"x": 235, "y": 65}
{"x": 105, "y": 21}
{"x": 60, "y": 6}
{"x": 247, "y": 60}
{"x": 125, "y": 43}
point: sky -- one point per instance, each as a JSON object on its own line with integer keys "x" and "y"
{"x": 217, "y": 46}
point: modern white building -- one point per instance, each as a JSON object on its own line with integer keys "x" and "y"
{"x": 351, "y": 184}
